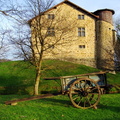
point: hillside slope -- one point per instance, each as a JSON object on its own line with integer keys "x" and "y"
{"x": 17, "y": 77}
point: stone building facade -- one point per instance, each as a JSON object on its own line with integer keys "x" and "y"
{"x": 74, "y": 34}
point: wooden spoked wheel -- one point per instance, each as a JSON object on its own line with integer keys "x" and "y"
{"x": 84, "y": 93}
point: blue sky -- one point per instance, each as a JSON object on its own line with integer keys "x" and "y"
{"x": 93, "y": 5}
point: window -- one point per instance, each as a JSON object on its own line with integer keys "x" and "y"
{"x": 81, "y": 46}
{"x": 81, "y": 17}
{"x": 51, "y": 16}
{"x": 81, "y": 31}
{"x": 51, "y": 32}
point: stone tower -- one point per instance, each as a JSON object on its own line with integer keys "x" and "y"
{"x": 105, "y": 39}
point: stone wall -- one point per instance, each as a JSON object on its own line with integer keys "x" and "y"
{"x": 69, "y": 45}
{"x": 93, "y": 49}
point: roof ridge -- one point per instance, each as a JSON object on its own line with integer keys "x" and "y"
{"x": 67, "y": 1}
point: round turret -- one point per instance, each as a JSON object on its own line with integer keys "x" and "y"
{"x": 105, "y": 15}
{"x": 104, "y": 33}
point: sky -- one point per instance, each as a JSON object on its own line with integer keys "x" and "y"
{"x": 93, "y": 5}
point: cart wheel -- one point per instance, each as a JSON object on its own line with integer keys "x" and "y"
{"x": 84, "y": 93}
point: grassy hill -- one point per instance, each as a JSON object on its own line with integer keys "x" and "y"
{"x": 17, "y": 77}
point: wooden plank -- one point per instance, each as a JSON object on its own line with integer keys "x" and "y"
{"x": 87, "y": 74}
{"x": 14, "y": 102}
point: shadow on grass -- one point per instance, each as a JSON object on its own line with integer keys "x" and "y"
{"x": 4, "y": 98}
{"x": 60, "y": 102}
{"x": 12, "y": 85}
{"x": 67, "y": 103}
{"x": 115, "y": 109}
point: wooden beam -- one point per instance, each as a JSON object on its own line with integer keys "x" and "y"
{"x": 14, "y": 102}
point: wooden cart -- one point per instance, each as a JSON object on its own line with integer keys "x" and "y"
{"x": 83, "y": 90}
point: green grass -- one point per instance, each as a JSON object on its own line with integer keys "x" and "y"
{"x": 114, "y": 78}
{"x": 16, "y": 73}
{"x": 17, "y": 80}
{"x": 59, "y": 108}
{"x": 17, "y": 77}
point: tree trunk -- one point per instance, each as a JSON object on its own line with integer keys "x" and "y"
{"x": 38, "y": 72}
{"x": 37, "y": 81}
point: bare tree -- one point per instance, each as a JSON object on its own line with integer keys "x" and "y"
{"x": 3, "y": 31}
{"x": 45, "y": 36}
{"x": 48, "y": 40}
{"x": 20, "y": 35}
{"x": 3, "y": 43}
{"x": 11, "y": 13}
{"x": 117, "y": 45}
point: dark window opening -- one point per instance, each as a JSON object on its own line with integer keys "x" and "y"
{"x": 81, "y": 17}
{"x": 51, "y": 16}
{"x": 81, "y": 32}
{"x": 81, "y": 46}
{"x": 51, "y": 32}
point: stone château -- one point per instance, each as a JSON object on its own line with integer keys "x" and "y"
{"x": 74, "y": 34}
